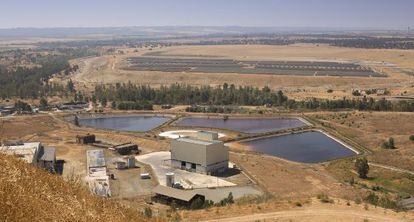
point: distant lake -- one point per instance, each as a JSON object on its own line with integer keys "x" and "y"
{"x": 245, "y": 125}
{"x": 134, "y": 123}
{"x": 307, "y": 147}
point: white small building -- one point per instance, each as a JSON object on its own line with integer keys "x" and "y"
{"x": 29, "y": 152}
{"x": 97, "y": 177}
{"x": 199, "y": 155}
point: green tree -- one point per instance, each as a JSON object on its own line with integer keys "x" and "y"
{"x": 70, "y": 86}
{"x": 43, "y": 104}
{"x": 113, "y": 105}
{"x": 362, "y": 167}
{"x": 104, "y": 102}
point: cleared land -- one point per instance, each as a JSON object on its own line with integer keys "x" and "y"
{"x": 296, "y": 68}
{"x": 395, "y": 63}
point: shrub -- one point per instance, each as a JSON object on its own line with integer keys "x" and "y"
{"x": 228, "y": 200}
{"x": 388, "y": 144}
{"x": 324, "y": 198}
{"x": 148, "y": 212}
{"x": 412, "y": 138}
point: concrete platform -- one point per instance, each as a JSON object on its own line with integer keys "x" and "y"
{"x": 159, "y": 161}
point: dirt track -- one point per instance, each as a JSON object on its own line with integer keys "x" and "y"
{"x": 319, "y": 215}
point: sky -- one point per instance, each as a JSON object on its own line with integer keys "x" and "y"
{"x": 275, "y": 13}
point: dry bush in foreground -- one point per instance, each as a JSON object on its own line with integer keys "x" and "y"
{"x": 31, "y": 194}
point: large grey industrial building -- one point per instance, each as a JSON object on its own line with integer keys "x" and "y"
{"x": 199, "y": 155}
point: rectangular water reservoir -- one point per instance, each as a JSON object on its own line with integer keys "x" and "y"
{"x": 306, "y": 147}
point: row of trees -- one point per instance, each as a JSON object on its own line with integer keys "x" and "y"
{"x": 364, "y": 104}
{"x": 188, "y": 95}
{"x": 230, "y": 95}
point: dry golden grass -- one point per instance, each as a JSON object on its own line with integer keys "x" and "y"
{"x": 371, "y": 129}
{"x": 31, "y": 194}
{"x": 287, "y": 180}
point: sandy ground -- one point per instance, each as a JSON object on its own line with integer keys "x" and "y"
{"x": 286, "y": 179}
{"x": 322, "y": 213}
{"x": 108, "y": 69}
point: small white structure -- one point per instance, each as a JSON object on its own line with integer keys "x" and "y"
{"x": 145, "y": 176}
{"x": 120, "y": 165}
{"x": 170, "y": 179}
{"x": 198, "y": 155}
{"x": 206, "y": 135}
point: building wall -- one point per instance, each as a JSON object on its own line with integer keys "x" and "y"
{"x": 218, "y": 167}
{"x": 216, "y": 153}
{"x": 212, "y": 158}
{"x": 199, "y": 154}
{"x": 188, "y": 152}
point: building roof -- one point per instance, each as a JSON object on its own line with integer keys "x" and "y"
{"x": 197, "y": 141}
{"x": 95, "y": 158}
{"x": 184, "y": 195}
{"x": 49, "y": 154}
{"x": 25, "y": 151}
{"x": 125, "y": 145}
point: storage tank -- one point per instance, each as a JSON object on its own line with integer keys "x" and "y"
{"x": 170, "y": 179}
{"x": 131, "y": 162}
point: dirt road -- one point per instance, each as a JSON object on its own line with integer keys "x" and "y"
{"x": 391, "y": 168}
{"x": 319, "y": 215}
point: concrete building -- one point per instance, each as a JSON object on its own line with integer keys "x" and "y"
{"x": 48, "y": 159}
{"x": 29, "y": 152}
{"x": 205, "y": 135}
{"x": 85, "y": 139}
{"x": 198, "y": 155}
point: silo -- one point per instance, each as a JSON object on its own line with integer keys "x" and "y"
{"x": 131, "y": 162}
{"x": 170, "y": 179}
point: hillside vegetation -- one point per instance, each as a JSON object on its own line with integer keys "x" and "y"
{"x": 31, "y": 194}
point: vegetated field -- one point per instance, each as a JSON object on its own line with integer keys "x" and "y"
{"x": 299, "y": 68}
{"x": 394, "y": 63}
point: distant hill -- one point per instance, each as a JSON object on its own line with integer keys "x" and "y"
{"x": 28, "y": 193}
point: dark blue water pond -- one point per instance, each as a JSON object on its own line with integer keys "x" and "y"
{"x": 125, "y": 123}
{"x": 307, "y": 147}
{"x": 245, "y": 125}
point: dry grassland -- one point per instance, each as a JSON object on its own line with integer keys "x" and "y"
{"x": 31, "y": 194}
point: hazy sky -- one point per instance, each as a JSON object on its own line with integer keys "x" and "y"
{"x": 284, "y": 13}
